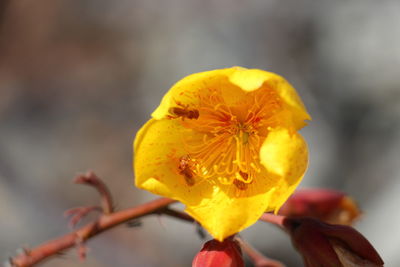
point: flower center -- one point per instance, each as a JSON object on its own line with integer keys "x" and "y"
{"x": 230, "y": 136}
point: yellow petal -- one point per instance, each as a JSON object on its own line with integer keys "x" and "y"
{"x": 250, "y": 79}
{"x": 157, "y": 148}
{"x": 229, "y": 81}
{"x": 284, "y": 154}
{"x": 253, "y": 79}
{"x": 224, "y": 213}
{"x": 187, "y": 89}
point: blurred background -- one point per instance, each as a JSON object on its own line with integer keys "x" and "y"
{"x": 79, "y": 78}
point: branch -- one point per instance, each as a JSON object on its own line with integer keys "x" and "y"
{"x": 274, "y": 219}
{"x": 177, "y": 214}
{"x": 258, "y": 259}
{"x": 79, "y": 236}
{"x": 106, "y": 221}
{"x": 91, "y": 179}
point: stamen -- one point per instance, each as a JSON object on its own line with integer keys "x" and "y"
{"x": 227, "y": 147}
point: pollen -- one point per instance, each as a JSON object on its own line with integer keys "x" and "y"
{"x": 232, "y": 134}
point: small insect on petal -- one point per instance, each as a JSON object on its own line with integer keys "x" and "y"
{"x": 186, "y": 169}
{"x": 183, "y": 111}
{"x": 240, "y": 185}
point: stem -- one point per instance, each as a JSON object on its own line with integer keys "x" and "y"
{"x": 177, "y": 214}
{"x": 258, "y": 259}
{"x": 274, "y": 219}
{"x": 92, "y": 180}
{"x": 103, "y": 223}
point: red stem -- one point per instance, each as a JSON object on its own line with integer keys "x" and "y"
{"x": 103, "y": 223}
{"x": 92, "y": 180}
{"x": 258, "y": 259}
{"x": 274, "y": 219}
{"x": 177, "y": 214}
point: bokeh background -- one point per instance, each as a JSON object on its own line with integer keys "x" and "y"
{"x": 78, "y": 79}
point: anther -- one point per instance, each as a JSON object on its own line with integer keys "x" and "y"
{"x": 239, "y": 184}
{"x": 244, "y": 175}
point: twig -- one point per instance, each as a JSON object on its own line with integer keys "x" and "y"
{"x": 274, "y": 219}
{"x": 92, "y": 180}
{"x": 258, "y": 259}
{"x": 104, "y": 222}
{"x": 107, "y": 220}
{"x": 176, "y": 214}
{"x": 78, "y": 213}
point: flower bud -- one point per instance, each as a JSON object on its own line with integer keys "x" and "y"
{"x": 329, "y": 206}
{"x": 219, "y": 254}
{"x": 326, "y": 245}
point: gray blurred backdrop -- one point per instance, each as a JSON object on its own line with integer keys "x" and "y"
{"x": 78, "y": 79}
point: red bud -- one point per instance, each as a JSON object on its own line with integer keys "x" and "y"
{"x": 219, "y": 254}
{"x": 326, "y": 205}
{"x": 327, "y": 245}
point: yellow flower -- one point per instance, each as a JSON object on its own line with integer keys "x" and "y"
{"x": 224, "y": 143}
